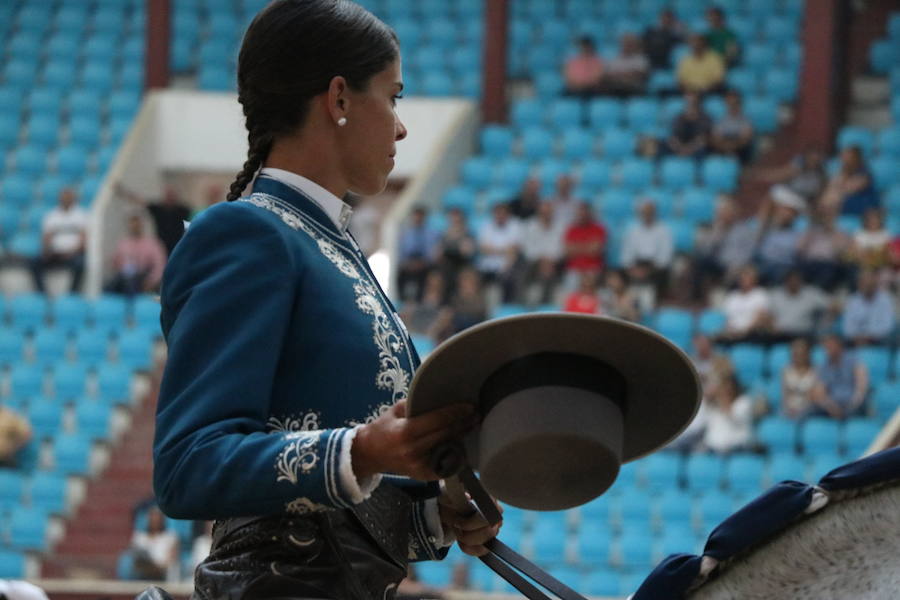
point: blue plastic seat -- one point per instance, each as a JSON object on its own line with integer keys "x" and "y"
{"x": 45, "y": 417}
{"x": 28, "y": 528}
{"x": 30, "y": 160}
{"x": 884, "y": 172}
{"x": 617, "y": 206}
{"x": 594, "y": 542}
{"x": 886, "y": 399}
{"x": 47, "y": 492}
{"x": 786, "y": 467}
{"x": 430, "y": 59}
{"x": 114, "y": 383}
{"x": 44, "y": 100}
{"x": 601, "y": 581}
{"x": 12, "y": 564}
{"x": 50, "y": 345}
{"x": 124, "y": 103}
{"x": 677, "y": 172}
{"x": 28, "y": 311}
{"x": 20, "y": 72}
{"x": 135, "y": 348}
{"x": 477, "y": 173}
{"x": 720, "y": 173}
{"x": 595, "y": 175}
{"x": 526, "y": 113}
{"x": 577, "y": 144}
{"x": 743, "y": 80}
{"x": 12, "y": 99}
{"x": 92, "y": 347}
{"x": 698, "y": 204}
{"x": 713, "y": 507}
{"x": 99, "y": 47}
{"x": 851, "y": 135}
{"x": 877, "y": 361}
{"x": 823, "y": 463}
{"x": 597, "y": 511}
{"x": 548, "y": 84}
{"x": 762, "y": 112}
{"x": 820, "y": 435}
{"x": 93, "y": 419}
{"x": 69, "y": 312}
{"x": 618, "y": 143}
{"x": 636, "y": 174}
{"x": 97, "y": 77}
{"x": 634, "y": 509}
{"x": 496, "y": 141}
{"x": 216, "y": 78}
{"x": 71, "y": 160}
{"x": 12, "y": 486}
{"x": 71, "y": 454}
{"x": 564, "y": 113}
{"x": 744, "y": 473}
{"x": 635, "y": 550}
{"x": 537, "y": 143}
{"x": 549, "y": 537}
{"x": 674, "y": 507}
{"x": 889, "y": 139}
{"x": 25, "y": 244}
{"x": 69, "y": 380}
{"x": 781, "y": 84}
{"x": 604, "y": 113}
{"x": 749, "y": 362}
{"x": 859, "y": 433}
{"x": 64, "y": 45}
{"x": 703, "y": 472}
{"x": 641, "y": 113}
{"x": 109, "y": 313}
{"x": 438, "y": 84}
{"x": 778, "y": 434}
{"x": 511, "y": 173}
{"x": 661, "y": 471}
{"x": 675, "y": 324}
{"x": 883, "y": 55}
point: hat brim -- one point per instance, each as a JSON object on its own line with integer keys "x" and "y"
{"x": 663, "y": 387}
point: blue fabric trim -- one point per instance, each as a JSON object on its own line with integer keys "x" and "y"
{"x": 267, "y": 185}
{"x": 670, "y": 579}
{"x": 879, "y": 467}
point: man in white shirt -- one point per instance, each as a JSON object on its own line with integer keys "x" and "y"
{"x": 499, "y": 245}
{"x": 647, "y": 249}
{"x": 64, "y": 239}
{"x": 543, "y": 252}
{"x": 746, "y": 309}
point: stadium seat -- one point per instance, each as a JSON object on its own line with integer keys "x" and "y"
{"x": 597, "y": 511}
{"x": 677, "y": 173}
{"x": 777, "y": 434}
{"x": 763, "y": 113}
{"x": 604, "y": 113}
{"x": 114, "y": 383}
{"x": 31, "y": 160}
{"x": 50, "y": 345}
{"x": 713, "y": 507}
{"x": 12, "y": 345}
{"x": 593, "y": 543}
{"x": 823, "y": 463}
{"x": 12, "y": 486}
{"x": 93, "y": 419}
{"x": 698, "y": 204}
{"x": 859, "y": 433}
{"x": 577, "y": 144}
{"x": 720, "y": 173}
{"x": 28, "y": 528}
{"x": 537, "y": 143}
{"x": 744, "y": 473}
{"x": 820, "y": 435}
{"x": 673, "y": 507}
{"x": 675, "y": 324}
{"x": 850, "y": 135}
{"x": 661, "y": 471}
{"x": 886, "y": 399}
{"x": 108, "y": 313}
{"x": 617, "y": 143}
{"x": 595, "y": 176}
{"x": 781, "y": 84}
{"x": 889, "y": 140}
{"x": 636, "y": 174}
{"x": 635, "y": 550}
{"x": 12, "y": 564}
{"x": 476, "y": 173}
{"x": 786, "y": 467}
{"x": 45, "y": 416}
{"x": 26, "y": 380}
{"x": 71, "y": 454}
{"x": 549, "y": 537}
{"x": 496, "y": 141}
{"x": 634, "y": 509}
{"x": 877, "y": 361}
{"x": 511, "y": 173}
{"x": 884, "y": 172}
{"x": 749, "y": 362}
{"x": 616, "y": 206}
{"x": 69, "y": 312}
{"x": 47, "y": 492}
{"x": 69, "y": 381}
{"x": 703, "y": 472}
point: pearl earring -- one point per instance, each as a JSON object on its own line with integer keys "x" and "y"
{"x": 342, "y": 121}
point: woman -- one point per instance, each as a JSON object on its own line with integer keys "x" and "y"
{"x": 617, "y": 299}
{"x": 870, "y": 244}
{"x": 798, "y": 381}
{"x": 851, "y": 190}
{"x": 155, "y": 551}
{"x": 729, "y": 419}
{"x": 283, "y": 402}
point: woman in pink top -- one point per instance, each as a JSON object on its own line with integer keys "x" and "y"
{"x": 584, "y": 71}
{"x": 139, "y": 261}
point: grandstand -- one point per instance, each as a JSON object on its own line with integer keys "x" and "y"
{"x": 83, "y": 367}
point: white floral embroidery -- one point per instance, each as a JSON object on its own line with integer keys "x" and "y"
{"x": 391, "y": 374}
{"x": 308, "y": 422}
{"x": 303, "y": 506}
{"x": 299, "y": 456}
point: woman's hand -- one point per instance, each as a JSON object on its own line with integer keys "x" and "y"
{"x": 395, "y": 443}
{"x": 470, "y": 529}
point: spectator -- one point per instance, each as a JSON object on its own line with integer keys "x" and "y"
{"x": 690, "y": 129}
{"x": 729, "y": 418}
{"x": 778, "y": 244}
{"x": 202, "y": 543}
{"x": 169, "y": 213}
{"x": 796, "y": 308}
{"x": 585, "y": 242}
{"x": 852, "y": 189}
{"x": 701, "y": 70}
{"x": 746, "y": 309}
{"x": 525, "y": 205}
{"x": 720, "y": 38}
{"x": 870, "y": 244}
{"x": 822, "y": 250}
{"x": 616, "y": 298}
{"x": 420, "y": 317}
{"x": 15, "y": 433}
{"x": 456, "y": 249}
{"x": 63, "y": 241}
{"x": 798, "y": 382}
{"x": 704, "y": 359}
{"x": 543, "y": 253}
{"x": 467, "y": 308}
{"x": 138, "y": 261}
{"x": 584, "y": 71}
{"x": 565, "y": 204}
{"x": 500, "y": 258}
{"x": 732, "y": 135}
{"x": 647, "y": 249}
{"x": 804, "y": 175}
{"x": 12, "y": 589}
{"x": 584, "y": 299}
{"x": 660, "y": 39}
{"x": 869, "y": 315}
{"x": 417, "y": 247}
{"x": 155, "y": 551}
{"x": 626, "y": 73}
{"x": 725, "y": 247}
{"x": 843, "y": 382}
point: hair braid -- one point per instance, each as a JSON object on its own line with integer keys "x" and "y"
{"x": 259, "y": 144}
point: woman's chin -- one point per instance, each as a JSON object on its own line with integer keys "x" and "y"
{"x": 372, "y": 187}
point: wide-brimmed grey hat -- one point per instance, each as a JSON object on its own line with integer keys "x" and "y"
{"x": 565, "y": 399}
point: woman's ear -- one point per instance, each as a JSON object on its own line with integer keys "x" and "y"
{"x": 338, "y": 100}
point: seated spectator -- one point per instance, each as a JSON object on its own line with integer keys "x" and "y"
{"x": 63, "y": 241}
{"x": 585, "y": 299}
{"x": 870, "y": 244}
{"x": 626, "y": 73}
{"x": 583, "y": 72}
{"x": 155, "y": 551}
{"x": 729, "y": 419}
{"x": 525, "y": 205}
{"x": 500, "y": 251}
{"x": 617, "y": 299}
{"x": 690, "y": 130}
{"x": 420, "y": 317}
{"x": 585, "y": 243}
{"x": 804, "y": 175}
{"x": 660, "y": 39}
{"x": 456, "y": 249}
{"x": 168, "y": 213}
{"x": 139, "y": 260}
{"x": 798, "y": 382}
{"x": 778, "y": 244}
{"x": 543, "y": 254}
{"x": 746, "y": 309}
{"x": 869, "y": 315}
{"x": 702, "y": 70}
{"x": 467, "y": 308}
{"x": 852, "y": 189}
{"x": 823, "y": 249}
{"x": 15, "y": 433}
{"x": 843, "y": 382}
{"x": 647, "y": 249}
{"x": 732, "y": 135}
{"x": 796, "y": 308}
{"x": 723, "y": 248}
{"x": 416, "y": 248}
{"x": 565, "y": 204}
{"x": 720, "y": 38}
{"x": 704, "y": 359}
{"x": 202, "y": 543}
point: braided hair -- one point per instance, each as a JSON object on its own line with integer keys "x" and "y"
{"x": 290, "y": 53}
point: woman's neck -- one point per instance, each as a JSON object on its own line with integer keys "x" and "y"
{"x": 315, "y": 164}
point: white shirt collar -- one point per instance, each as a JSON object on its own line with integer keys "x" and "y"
{"x": 337, "y": 210}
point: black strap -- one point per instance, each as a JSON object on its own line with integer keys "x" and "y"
{"x": 503, "y": 560}
{"x": 483, "y": 501}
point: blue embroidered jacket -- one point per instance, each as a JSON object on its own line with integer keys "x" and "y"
{"x": 280, "y": 342}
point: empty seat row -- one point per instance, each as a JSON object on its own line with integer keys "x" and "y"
{"x": 69, "y": 381}
{"x": 109, "y": 313}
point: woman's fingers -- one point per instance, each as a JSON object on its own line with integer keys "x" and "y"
{"x": 476, "y": 537}
{"x": 438, "y": 419}
{"x": 477, "y": 550}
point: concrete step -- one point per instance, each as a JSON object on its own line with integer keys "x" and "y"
{"x": 873, "y": 118}
{"x": 870, "y": 90}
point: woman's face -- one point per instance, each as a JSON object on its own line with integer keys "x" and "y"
{"x": 372, "y": 132}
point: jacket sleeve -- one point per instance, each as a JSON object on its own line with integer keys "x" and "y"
{"x": 228, "y": 294}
